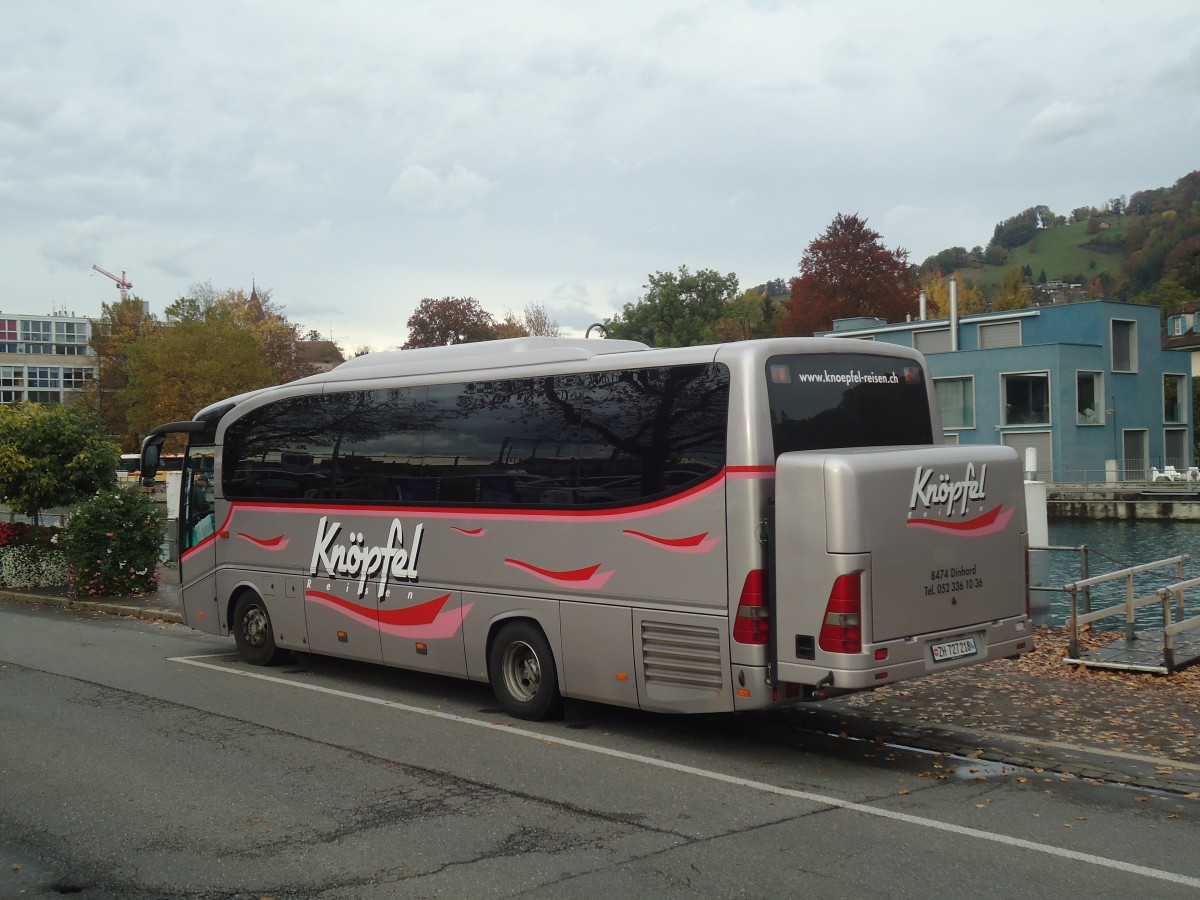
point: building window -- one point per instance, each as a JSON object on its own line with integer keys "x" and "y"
{"x": 44, "y": 377}
{"x": 36, "y": 337}
{"x": 1174, "y": 412}
{"x": 1124, "y": 345}
{"x": 1089, "y": 398}
{"x": 956, "y": 400}
{"x": 75, "y": 379}
{"x": 1026, "y": 398}
{"x": 8, "y": 335}
{"x": 12, "y": 384}
{"x": 70, "y": 338}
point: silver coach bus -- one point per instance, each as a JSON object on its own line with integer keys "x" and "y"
{"x": 702, "y": 529}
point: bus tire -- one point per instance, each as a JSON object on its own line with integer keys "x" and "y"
{"x": 253, "y": 633}
{"x": 522, "y": 673}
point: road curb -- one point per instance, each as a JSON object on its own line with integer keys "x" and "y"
{"x": 133, "y": 607}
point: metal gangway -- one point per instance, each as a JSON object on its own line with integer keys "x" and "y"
{"x": 1163, "y": 651}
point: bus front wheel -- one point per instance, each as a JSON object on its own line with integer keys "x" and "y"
{"x": 521, "y": 670}
{"x": 253, "y": 633}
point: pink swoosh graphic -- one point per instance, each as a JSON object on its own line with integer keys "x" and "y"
{"x": 588, "y": 578}
{"x": 275, "y": 543}
{"x": 469, "y": 532}
{"x": 695, "y": 543}
{"x": 989, "y": 523}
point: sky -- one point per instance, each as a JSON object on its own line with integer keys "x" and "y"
{"x": 354, "y": 157}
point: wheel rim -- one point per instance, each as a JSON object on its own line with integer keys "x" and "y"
{"x": 522, "y": 671}
{"x": 254, "y": 626}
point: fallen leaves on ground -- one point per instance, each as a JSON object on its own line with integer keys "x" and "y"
{"x": 1037, "y": 694}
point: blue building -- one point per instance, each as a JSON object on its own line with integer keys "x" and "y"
{"x": 1089, "y": 386}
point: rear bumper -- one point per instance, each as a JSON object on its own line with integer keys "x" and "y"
{"x": 910, "y": 657}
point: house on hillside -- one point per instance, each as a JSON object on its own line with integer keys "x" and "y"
{"x": 1183, "y": 333}
{"x": 320, "y": 356}
{"x": 1090, "y": 387}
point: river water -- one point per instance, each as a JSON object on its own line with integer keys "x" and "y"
{"x": 1114, "y": 545}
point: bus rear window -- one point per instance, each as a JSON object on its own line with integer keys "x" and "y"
{"x": 830, "y": 400}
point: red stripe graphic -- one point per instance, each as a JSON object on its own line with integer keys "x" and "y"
{"x": 669, "y": 542}
{"x": 421, "y": 614}
{"x": 696, "y": 543}
{"x": 577, "y": 578}
{"x": 988, "y": 523}
{"x": 469, "y": 532}
{"x": 275, "y": 543}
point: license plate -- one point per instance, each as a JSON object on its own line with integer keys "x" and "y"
{"x": 948, "y": 650}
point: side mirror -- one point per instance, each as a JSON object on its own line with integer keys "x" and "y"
{"x": 151, "y": 454}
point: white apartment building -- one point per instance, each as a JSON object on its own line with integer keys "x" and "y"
{"x": 45, "y": 359}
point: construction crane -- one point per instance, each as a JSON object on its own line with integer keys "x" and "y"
{"x": 123, "y": 285}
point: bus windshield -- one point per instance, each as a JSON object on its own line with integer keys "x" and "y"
{"x": 823, "y": 401}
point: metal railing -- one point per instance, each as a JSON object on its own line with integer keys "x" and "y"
{"x": 1084, "y": 571}
{"x": 1162, "y": 596}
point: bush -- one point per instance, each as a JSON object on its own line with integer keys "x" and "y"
{"x": 30, "y": 557}
{"x": 112, "y": 544}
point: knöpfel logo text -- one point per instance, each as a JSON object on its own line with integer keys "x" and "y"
{"x": 356, "y": 561}
{"x": 941, "y": 491}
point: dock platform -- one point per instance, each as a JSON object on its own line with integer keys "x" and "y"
{"x": 1145, "y": 653}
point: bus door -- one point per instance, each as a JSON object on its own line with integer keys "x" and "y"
{"x": 197, "y": 539}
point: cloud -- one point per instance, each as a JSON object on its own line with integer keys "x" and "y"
{"x": 420, "y": 188}
{"x": 1060, "y": 121}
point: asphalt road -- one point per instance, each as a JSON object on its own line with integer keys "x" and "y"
{"x": 145, "y": 760}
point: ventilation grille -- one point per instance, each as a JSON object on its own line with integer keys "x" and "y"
{"x": 682, "y": 656}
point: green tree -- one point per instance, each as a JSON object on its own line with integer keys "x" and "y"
{"x": 1185, "y": 264}
{"x": 678, "y": 309}
{"x": 752, "y": 314}
{"x": 848, "y": 272}
{"x": 112, "y": 543}
{"x": 52, "y": 456}
{"x": 258, "y": 315}
{"x": 449, "y": 320}
{"x": 184, "y": 367}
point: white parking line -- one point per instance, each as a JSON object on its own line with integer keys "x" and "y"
{"x": 760, "y": 786}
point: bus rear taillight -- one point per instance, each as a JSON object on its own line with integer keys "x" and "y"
{"x": 841, "y": 631}
{"x": 753, "y": 623}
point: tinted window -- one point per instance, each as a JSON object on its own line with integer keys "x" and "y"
{"x": 596, "y": 438}
{"x": 825, "y": 401}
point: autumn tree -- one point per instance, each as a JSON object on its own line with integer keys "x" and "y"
{"x": 534, "y": 321}
{"x": 678, "y": 309}
{"x": 937, "y": 296}
{"x": 52, "y": 455}
{"x": 185, "y": 367}
{"x": 449, "y": 320}
{"x": 258, "y": 315}
{"x": 120, "y": 325}
{"x": 1014, "y": 292}
{"x": 848, "y": 272}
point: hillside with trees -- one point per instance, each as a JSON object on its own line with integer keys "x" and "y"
{"x": 1142, "y": 249}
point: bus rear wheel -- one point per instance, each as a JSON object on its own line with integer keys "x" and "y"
{"x": 521, "y": 671}
{"x": 253, "y": 633}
